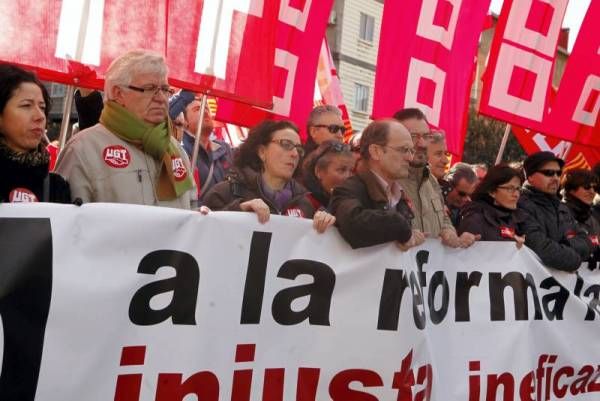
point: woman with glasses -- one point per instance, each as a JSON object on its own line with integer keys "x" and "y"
{"x": 262, "y": 180}
{"x": 24, "y": 160}
{"x": 493, "y": 211}
{"x": 326, "y": 168}
{"x": 579, "y": 190}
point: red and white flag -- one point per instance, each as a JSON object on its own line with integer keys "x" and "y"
{"x": 328, "y": 89}
{"x": 574, "y": 155}
{"x": 517, "y": 82}
{"x": 300, "y": 30}
{"x": 224, "y": 47}
{"x": 574, "y": 112}
{"x": 426, "y": 60}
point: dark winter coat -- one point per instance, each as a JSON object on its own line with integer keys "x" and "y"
{"x": 244, "y": 185}
{"x": 492, "y": 222}
{"x": 587, "y": 220}
{"x": 362, "y": 214}
{"x": 552, "y": 232}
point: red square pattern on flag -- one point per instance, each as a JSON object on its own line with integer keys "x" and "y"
{"x": 540, "y": 17}
{"x": 426, "y": 91}
{"x": 591, "y": 101}
{"x": 297, "y": 4}
{"x": 443, "y": 12}
{"x": 522, "y": 83}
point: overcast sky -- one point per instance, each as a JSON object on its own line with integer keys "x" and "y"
{"x": 575, "y": 13}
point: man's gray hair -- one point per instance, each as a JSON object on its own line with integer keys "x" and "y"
{"x": 122, "y": 70}
{"x": 437, "y": 137}
{"x": 320, "y": 110}
{"x": 461, "y": 171}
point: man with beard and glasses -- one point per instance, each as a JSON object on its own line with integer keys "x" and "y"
{"x": 550, "y": 230}
{"x": 423, "y": 189}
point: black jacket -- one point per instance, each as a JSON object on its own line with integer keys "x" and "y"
{"x": 362, "y": 214}
{"x": 552, "y": 232}
{"x": 588, "y": 221}
{"x": 20, "y": 179}
{"x": 492, "y": 222}
{"x": 244, "y": 185}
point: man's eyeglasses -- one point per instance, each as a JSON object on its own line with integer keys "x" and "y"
{"x": 153, "y": 89}
{"x": 550, "y": 173}
{"x": 587, "y": 187}
{"x": 333, "y": 128}
{"x": 510, "y": 188}
{"x": 286, "y": 144}
{"x": 427, "y": 136}
{"x": 463, "y": 194}
{"x": 402, "y": 149}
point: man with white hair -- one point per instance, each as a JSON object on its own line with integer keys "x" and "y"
{"x": 325, "y": 123}
{"x": 130, "y": 156}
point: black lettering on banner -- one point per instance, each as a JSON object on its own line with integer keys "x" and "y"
{"x": 593, "y": 291}
{"x": 464, "y": 282}
{"x": 519, "y": 285}
{"x": 25, "y": 293}
{"x": 182, "y": 309}
{"x": 319, "y": 292}
{"x": 254, "y": 289}
{"x": 558, "y": 299}
{"x": 438, "y": 279}
{"x": 394, "y": 284}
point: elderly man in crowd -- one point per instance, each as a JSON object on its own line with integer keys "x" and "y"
{"x": 130, "y": 155}
{"x": 423, "y": 189}
{"x": 371, "y": 207}
{"x": 550, "y": 229}
{"x": 324, "y": 124}
{"x": 462, "y": 180}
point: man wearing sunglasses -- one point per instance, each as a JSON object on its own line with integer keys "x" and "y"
{"x": 462, "y": 181}
{"x": 550, "y": 230}
{"x": 324, "y": 124}
{"x": 423, "y": 189}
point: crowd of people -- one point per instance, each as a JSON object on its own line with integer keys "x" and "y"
{"x": 393, "y": 184}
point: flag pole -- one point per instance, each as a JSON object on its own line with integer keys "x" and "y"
{"x": 203, "y": 102}
{"x": 503, "y": 144}
{"x": 70, "y": 90}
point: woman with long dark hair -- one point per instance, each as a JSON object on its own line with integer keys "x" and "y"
{"x": 493, "y": 212}
{"x": 24, "y": 160}
{"x": 262, "y": 181}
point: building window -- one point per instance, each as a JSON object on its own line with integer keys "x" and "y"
{"x": 367, "y": 24}
{"x": 361, "y": 98}
{"x": 58, "y": 90}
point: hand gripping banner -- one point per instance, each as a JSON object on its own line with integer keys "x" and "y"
{"x": 132, "y": 303}
{"x": 426, "y": 60}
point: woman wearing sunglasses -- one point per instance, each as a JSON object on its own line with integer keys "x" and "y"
{"x": 326, "y": 168}
{"x": 24, "y": 160}
{"x": 262, "y": 180}
{"x": 493, "y": 211}
{"x": 579, "y": 190}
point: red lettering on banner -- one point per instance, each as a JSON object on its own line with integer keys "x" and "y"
{"x": 22, "y": 195}
{"x": 116, "y": 156}
{"x": 129, "y": 386}
{"x": 339, "y": 388}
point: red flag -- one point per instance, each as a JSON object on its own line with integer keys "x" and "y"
{"x": 574, "y": 155}
{"x": 426, "y": 60}
{"x": 574, "y": 113}
{"x": 225, "y": 48}
{"x": 329, "y": 89}
{"x": 300, "y": 30}
{"x": 517, "y": 81}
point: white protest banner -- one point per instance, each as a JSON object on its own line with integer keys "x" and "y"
{"x": 130, "y": 303}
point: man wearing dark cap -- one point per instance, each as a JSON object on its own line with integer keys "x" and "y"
{"x": 551, "y": 232}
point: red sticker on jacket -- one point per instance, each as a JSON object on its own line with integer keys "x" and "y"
{"x": 294, "y": 212}
{"x": 22, "y": 195}
{"x": 179, "y": 170}
{"x": 116, "y": 156}
{"x": 507, "y": 232}
{"x": 595, "y": 240}
{"x": 570, "y": 234}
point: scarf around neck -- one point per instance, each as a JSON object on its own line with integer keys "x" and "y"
{"x": 154, "y": 140}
